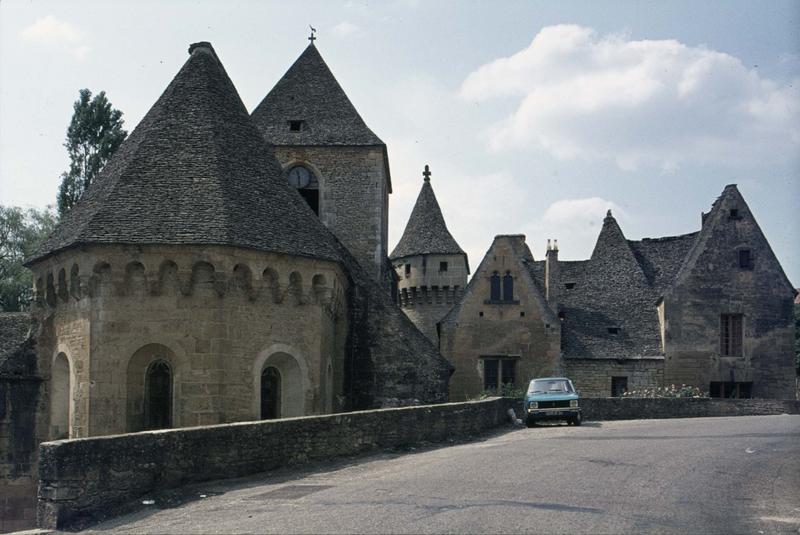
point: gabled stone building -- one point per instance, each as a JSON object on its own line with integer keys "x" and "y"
{"x": 711, "y": 309}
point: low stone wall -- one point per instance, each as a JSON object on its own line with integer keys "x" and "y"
{"x": 643, "y": 408}
{"x": 599, "y": 409}
{"x": 84, "y": 478}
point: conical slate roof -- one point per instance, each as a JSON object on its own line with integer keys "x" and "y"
{"x": 195, "y": 171}
{"x": 426, "y": 231}
{"x": 309, "y": 92}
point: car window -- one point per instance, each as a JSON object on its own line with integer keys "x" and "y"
{"x": 550, "y": 386}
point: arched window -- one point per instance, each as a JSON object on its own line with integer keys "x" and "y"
{"x": 307, "y": 185}
{"x": 270, "y": 393}
{"x": 60, "y": 398}
{"x": 158, "y": 396}
{"x": 495, "y": 287}
{"x": 508, "y": 287}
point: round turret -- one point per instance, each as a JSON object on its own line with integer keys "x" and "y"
{"x": 431, "y": 268}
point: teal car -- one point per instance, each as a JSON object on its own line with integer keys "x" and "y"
{"x": 552, "y": 398}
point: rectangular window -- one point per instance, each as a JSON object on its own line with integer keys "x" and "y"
{"x": 730, "y": 339}
{"x": 745, "y": 259}
{"x": 569, "y": 285}
{"x": 509, "y": 371}
{"x": 490, "y": 373}
{"x": 498, "y": 371}
{"x": 408, "y": 270}
{"x": 619, "y": 385}
{"x": 613, "y": 330}
{"x": 442, "y": 266}
{"x": 508, "y": 288}
{"x": 730, "y": 389}
{"x": 295, "y": 126}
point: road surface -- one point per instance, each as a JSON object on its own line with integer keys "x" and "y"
{"x": 701, "y": 475}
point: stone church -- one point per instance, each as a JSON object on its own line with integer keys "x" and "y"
{"x": 227, "y": 267}
{"x": 711, "y": 308}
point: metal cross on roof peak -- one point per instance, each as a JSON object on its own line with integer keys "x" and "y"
{"x": 311, "y": 37}
{"x": 427, "y": 173}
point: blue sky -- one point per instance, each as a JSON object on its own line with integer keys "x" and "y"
{"x": 535, "y": 117}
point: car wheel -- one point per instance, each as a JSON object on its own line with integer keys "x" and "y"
{"x": 530, "y": 422}
{"x": 576, "y": 420}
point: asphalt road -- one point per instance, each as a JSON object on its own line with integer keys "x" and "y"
{"x": 703, "y": 475}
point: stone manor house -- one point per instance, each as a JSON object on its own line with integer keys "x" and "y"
{"x": 228, "y": 266}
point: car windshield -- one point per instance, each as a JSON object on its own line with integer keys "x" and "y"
{"x": 550, "y": 386}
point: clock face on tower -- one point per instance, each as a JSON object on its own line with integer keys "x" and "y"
{"x": 299, "y": 176}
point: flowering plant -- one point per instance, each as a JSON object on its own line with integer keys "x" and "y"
{"x": 671, "y": 391}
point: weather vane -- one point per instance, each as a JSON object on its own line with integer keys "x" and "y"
{"x": 313, "y": 31}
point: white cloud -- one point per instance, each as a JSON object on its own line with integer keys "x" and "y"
{"x": 50, "y": 31}
{"x": 344, "y": 29}
{"x": 575, "y": 223}
{"x": 660, "y": 103}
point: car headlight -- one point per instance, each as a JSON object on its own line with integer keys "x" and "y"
{"x": 573, "y": 403}
{"x": 533, "y": 405}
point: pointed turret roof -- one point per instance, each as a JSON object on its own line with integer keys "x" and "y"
{"x": 426, "y": 231}
{"x": 195, "y": 171}
{"x": 309, "y": 92}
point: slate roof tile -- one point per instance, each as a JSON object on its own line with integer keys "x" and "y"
{"x": 309, "y": 92}
{"x": 17, "y": 356}
{"x": 195, "y": 171}
{"x": 426, "y": 231}
{"x": 617, "y": 288}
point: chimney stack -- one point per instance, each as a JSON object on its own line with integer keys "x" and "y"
{"x": 552, "y": 275}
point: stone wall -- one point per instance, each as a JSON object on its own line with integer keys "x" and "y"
{"x": 593, "y": 376}
{"x": 88, "y": 477}
{"x": 216, "y": 315}
{"x": 643, "y": 408}
{"x": 23, "y": 422}
{"x": 354, "y": 196}
{"x": 427, "y": 294}
{"x": 712, "y": 283}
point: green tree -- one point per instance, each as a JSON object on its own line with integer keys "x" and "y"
{"x": 94, "y": 134}
{"x": 21, "y": 232}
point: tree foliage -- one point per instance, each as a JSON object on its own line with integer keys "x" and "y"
{"x": 21, "y": 232}
{"x": 94, "y": 134}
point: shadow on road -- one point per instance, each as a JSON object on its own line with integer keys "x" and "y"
{"x": 151, "y": 503}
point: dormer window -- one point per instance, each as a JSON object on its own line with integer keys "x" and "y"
{"x": 408, "y": 270}
{"x": 569, "y": 285}
{"x": 296, "y": 125}
{"x": 734, "y": 213}
{"x": 442, "y": 266}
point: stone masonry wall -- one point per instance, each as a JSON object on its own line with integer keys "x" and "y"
{"x": 217, "y": 315}
{"x": 427, "y": 294}
{"x": 87, "y": 477}
{"x": 716, "y": 284}
{"x": 519, "y": 329}
{"x": 23, "y": 421}
{"x": 22, "y": 427}
{"x": 354, "y": 196}
{"x": 593, "y": 376}
{"x": 645, "y": 408}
